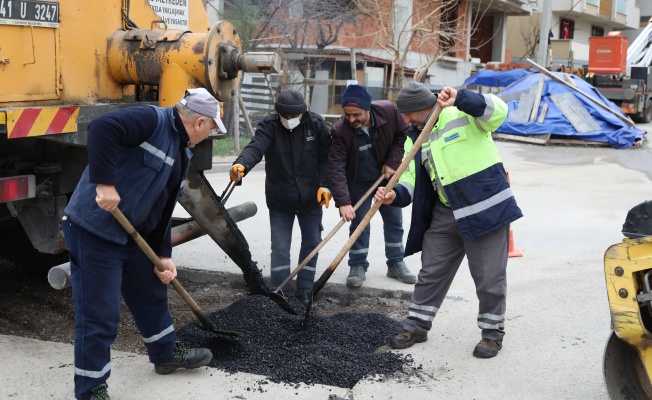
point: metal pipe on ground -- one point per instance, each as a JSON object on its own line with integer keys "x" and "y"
{"x": 59, "y": 275}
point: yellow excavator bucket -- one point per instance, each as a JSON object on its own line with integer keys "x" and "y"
{"x": 627, "y": 361}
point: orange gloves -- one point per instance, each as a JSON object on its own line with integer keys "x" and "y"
{"x": 237, "y": 172}
{"x": 324, "y": 196}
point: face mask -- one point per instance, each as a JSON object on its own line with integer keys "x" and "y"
{"x": 290, "y": 123}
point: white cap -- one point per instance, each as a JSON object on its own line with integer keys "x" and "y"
{"x": 202, "y": 102}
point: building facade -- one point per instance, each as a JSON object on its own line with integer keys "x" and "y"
{"x": 572, "y": 23}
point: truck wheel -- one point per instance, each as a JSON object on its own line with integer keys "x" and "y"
{"x": 647, "y": 114}
{"x": 18, "y": 248}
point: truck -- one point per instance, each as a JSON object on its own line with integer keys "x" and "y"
{"x": 623, "y": 73}
{"x": 62, "y": 63}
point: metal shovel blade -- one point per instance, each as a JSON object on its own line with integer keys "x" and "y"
{"x": 281, "y": 302}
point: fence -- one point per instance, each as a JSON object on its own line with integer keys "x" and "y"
{"x": 258, "y": 102}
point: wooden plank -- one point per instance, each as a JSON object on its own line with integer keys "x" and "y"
{"x": 599, "y": 103}
{"x": 535, "y": 139}
{"x": 544, "y": 110}
{"x": 578, "y": 142}
{"x": 537, "y": 100}
{"x": 575, "y": 112}
{"x": 569, "y": 80}
{"x": 522, "y": 113}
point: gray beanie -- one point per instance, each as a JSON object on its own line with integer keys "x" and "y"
{"x": 290, "y": 102}
{"x": 415, "y": 96}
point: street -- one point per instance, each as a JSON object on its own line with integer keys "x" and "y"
{"x": 574, "y": 200}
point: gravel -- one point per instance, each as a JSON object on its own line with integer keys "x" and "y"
{"x": 338, "y": 350}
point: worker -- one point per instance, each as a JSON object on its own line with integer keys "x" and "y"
{"x": 295, "y": 143}
{"x": 138, "y": 158}
{"x": 462, "y": 205}
{"x": 367, "y": 141}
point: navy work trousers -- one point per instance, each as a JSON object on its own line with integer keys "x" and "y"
{"x": 281, "y": 223}
{"x": 100, "y": 272}
{"x": 392, "y": 228}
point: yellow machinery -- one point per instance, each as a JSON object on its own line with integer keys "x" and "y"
{"x": 64, "y": 62}
{"x": 628, "y": 273}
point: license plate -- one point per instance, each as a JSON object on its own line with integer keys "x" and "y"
{"x": 29, "y": 13}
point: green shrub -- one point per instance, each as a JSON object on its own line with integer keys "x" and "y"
{"x": 224, "y": 147}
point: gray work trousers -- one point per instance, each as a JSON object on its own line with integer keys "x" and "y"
{"x": 442, "y": 254}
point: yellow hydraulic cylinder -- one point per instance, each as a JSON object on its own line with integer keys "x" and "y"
{"x": 211, "y": 59}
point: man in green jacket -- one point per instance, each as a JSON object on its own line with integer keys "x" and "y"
{"x": 462, "y": 205}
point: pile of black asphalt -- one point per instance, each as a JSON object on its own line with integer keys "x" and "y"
{"x": 337, "y": 351}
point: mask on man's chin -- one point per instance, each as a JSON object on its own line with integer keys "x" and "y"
{"x": 290, "y": 123}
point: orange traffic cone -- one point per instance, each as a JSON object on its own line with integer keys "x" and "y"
{"x": 513, "y": 251}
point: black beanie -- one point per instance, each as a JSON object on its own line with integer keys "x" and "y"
{"x": 356, "y": 96}
{"x": 290, "y": 102}
{"x": 415, "y": 96}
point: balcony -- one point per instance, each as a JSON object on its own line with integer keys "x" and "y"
{"x": 561, "y": 50}
{"x": 612, "y": 14}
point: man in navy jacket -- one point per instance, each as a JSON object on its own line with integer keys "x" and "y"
{"x": 137, "y": 157}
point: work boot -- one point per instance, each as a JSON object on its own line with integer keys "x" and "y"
{"x": 100, "y": 392}
{"x": 303, "y": 295}
{"x": 184, "y": 358}
{"x": 401, "y": 272}
{"x": 487, "y": 348}
{"x": 406, "y": 339}
{"x": 356, "y": 276}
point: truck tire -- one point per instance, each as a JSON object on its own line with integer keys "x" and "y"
{"x": 647, "y": 113}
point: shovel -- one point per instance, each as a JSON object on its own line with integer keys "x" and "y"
{"x": 374, "y": 207}
{"x": 207, "y": 324}
{"x": 328, "y": 237}
{"x": 229, "y": 188}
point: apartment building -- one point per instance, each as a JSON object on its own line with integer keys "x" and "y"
{"x": 572, "y": 22}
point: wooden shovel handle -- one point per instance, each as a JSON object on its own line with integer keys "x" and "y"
{"x": 330, "y": 235}
{"x": 161, "y": 267}
{"x": 319, "y": 284}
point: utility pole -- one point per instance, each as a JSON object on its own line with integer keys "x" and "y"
{"x": 546, "y": 12}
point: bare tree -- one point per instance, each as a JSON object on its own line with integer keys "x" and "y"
{"x": 529, "y": 30}
{"x": 433, "y": 28}
{"x": 302, "y": 23}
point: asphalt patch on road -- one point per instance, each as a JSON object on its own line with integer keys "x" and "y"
{"x": 338, "y": 350}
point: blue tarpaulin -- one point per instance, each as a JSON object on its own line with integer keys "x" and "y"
{"x": 608, "y": 127}
{"x": 488, "y": 77}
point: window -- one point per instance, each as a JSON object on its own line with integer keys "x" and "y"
{"x": 566, "y": 28}
{"x": 594, "y": 2}
{"x": 621, "y": 7}
{"x": 597, "y": 31}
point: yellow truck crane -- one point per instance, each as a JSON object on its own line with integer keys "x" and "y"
{"x": 64, "y": 62}
{"x": 628, "y": 272}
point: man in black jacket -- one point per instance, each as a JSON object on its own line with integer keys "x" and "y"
{"x": 295, "y": 143}
{"x": 367, "y": 141}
